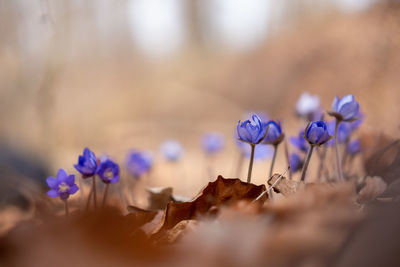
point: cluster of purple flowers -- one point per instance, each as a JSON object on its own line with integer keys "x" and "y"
{"x": 318, "y": 132}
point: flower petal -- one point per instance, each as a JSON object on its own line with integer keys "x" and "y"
{"x": 53, "y": 193}
{"x": 349, "y": 110}
{"x": 52, "y": 182}
{"x": 61, "y": 174}
{"x": 73, "y": 189}
{"x": 70, "y": 179}
{"x": 335, "y": 104}
{"x": 346, "y": 99}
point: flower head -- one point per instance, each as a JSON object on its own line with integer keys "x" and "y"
{"x": 138, "y": 163}
{"x": 300, "y": 142}
{"x": 317, "y": 133}
{"x": 345, "y": 109}
{"x": 108, "y": 171}
{"x": 344, "y": 132}
{"x": 212, "y": 143}
{"x": 308, "y": 106}
{"x": 62, "y": 186}
{"x": 274, "y": 135}
{"x": 354, "y": 147}
{"x": 171, "y": 150}
{"x": 295, "y": 161}
{"x": 87, "y": 163}
{"x": 252, "y": 131}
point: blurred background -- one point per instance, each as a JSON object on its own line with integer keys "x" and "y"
{"x": 124, "y": 74}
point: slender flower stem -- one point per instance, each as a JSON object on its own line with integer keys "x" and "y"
{"x": 287, "y": 157}
{"x": 105, "y": 195}
{"x": 338, "y": 162}
{"x": 89, "y": 198}
{"x": 66, "y": 208}
{"x": 305, "y": 166}
{"x": 273, "y": 161}
{"x": 94, "y": 192}
{"x": 251, "y": 163}
{"x": 322, "y": 155}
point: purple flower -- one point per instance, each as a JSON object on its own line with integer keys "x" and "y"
{"x": 345, "y": 109}
{"x": 62, "y": 186}
{"x": 87, "y": 163}
{"x": 274, "y": 135}
{"x": 295, "y": 161}
{"x": 354, "y": 125}
{"x": 172, "y": 150}
{"x": 344, "y": 132}
{"x": 308, "y": 107}
{"x": 354, "y": 147}
{"x": 108, "y": 171}
{"x": 138, "y": 163}
{"x": 300, "y": 142}
{"x": 253, "y": 131}
{"x": 261, "y": 151}
{"x": 212, "y": 143}
{"x": 317, "y": 133}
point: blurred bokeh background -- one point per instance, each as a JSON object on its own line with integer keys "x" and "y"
{"x": 123, "y": 74}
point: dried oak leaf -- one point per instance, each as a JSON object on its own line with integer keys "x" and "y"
{"x": 284, "y": 186}
{"x": 178, "y": 231}
{"x": 220, "y": 192}
{"x": 374, "y": 186}
{"x": 393, "y": 190}
{"x": 139, "y": 217}
{"x": 159, "y": 197}
{"x": 383, "y": 158}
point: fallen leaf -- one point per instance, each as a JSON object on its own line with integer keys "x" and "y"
{"x": 284, "y": 186}
{"x": 374, "y": 186}
{"x": 159, "y": 197}
{"x": 220, "y": 192}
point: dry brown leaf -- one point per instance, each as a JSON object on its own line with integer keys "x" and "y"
{"x": 393, "y": 190}
{"x": 284, "y": 186}
{"x": 175, "y": 234}
{"x": 374, "y": 186}
{"x": 139, "y": 216}
{"x": 159, "y": 197}
{"x": 220, "y": 192}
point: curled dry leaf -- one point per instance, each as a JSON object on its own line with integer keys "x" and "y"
{"x": 393, "y": 190}
{"x": 178, "y": 231}
{"x": 382, "y": 159}
{"x": 374, "y": 186}
{"x": 139, "y": 217}
{"x": 159, "y": 197}
{"x": 220, "y": 192}
{"x": 284, "y": 186}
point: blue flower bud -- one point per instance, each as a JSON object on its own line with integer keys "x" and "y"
{"x": 317, "y": 133}
{"x": 62, "y": 186}
{"x": 87, "y": 163}
{"x": 212, "y": 143}
{"x": 274, "y": 135}
{"x": 138, "y": 163}
{"x": 295, "y": 161}
{"x": 300, "y": 142}
{"x": 354, "y": 147}
{"x": 253, "y": 131}
{"x": 171, "y": 150}
{"x": 345, "y": 109}
{"x": 108, "y": 171}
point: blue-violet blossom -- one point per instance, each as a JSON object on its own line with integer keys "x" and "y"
{"x": 108, "y": 171}
{"x": 172, "y": 150}
{"x": 252, "y": 131}
{"x": 62, "y": 186}
{"x": 212, "y": 142}
{"x": 87, "y": 163}
{"x": 345, "y": 108}
{"x": 317, "y": 133}
{"x": 138, "y": 163}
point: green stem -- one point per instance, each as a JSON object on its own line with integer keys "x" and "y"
{"x": 273, "y": 161}
{"x": 305, "y": 166}
{"x": 251, "y": 163}
{"x": 338, "y": 162}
